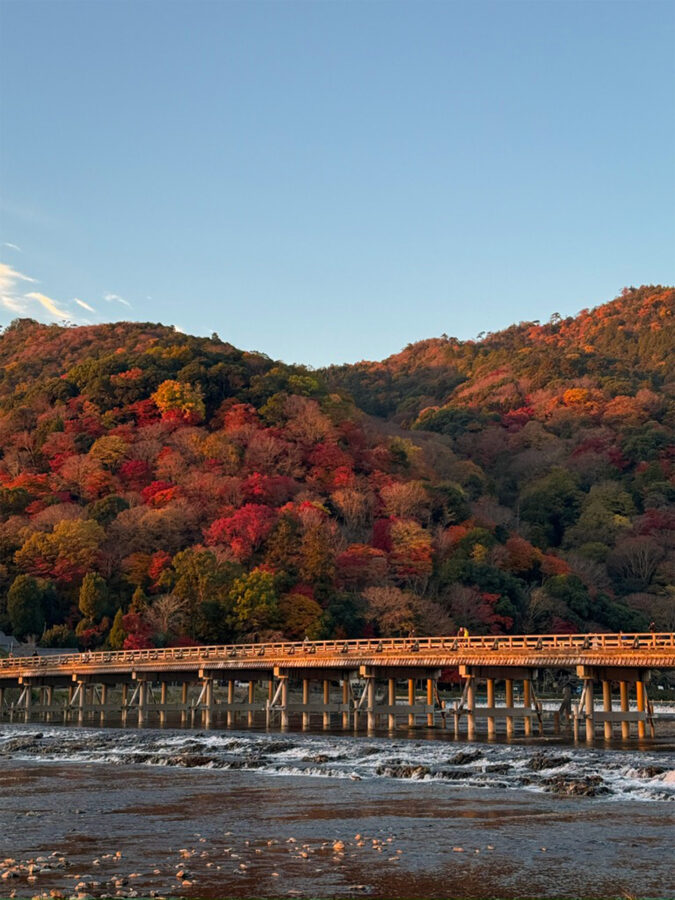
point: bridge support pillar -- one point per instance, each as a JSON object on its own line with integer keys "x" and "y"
{"x": 640, "y": 693}
{"x": 490, "y": 686}
{"x": 46, "y": 695}
{"x": 81, "y": 701}
{"x": 527, "y": 703}
{"x": 471, "y": 707}
{"x": 391, "y": 699}
{"x": 184, "y": 688}
{"x": 623, "y": 696}
{"x": 104, "y": 701}
{"x": 346, "y": 705}
{"x": 411, "y": 702}
{"x": 125, "y": 702}
{"x": 607, "y": 708}
{"x": 326, "y": 702}
{"x": 590, "y": 712}
{"x": 305, "y": 703}
{"x": 162, "y": 701}
{"x": 230, "y": 701}
{"x": 430, "y": 702}
{"x": 142, "y": 701}
{"x": 284, "y": 702}
{"x": 371, "y": 718}
{"x": 208, "y": 702}
{"x": 508, "y": 685}
{"x": 565, "y": 708}
{"x": 251, "y": 701}
{"x": 268, "y": 707}
{"x": 625, "y": 676}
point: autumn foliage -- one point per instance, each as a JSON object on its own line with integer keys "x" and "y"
{"x": 157, "y": 488}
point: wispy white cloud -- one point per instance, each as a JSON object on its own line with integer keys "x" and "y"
{"x": 49, "y": 305}
{"x": 115, "y": 298}
{"x": 20, "y": 297}
{"x": 10, "y": 292}
{"x": 16, "y": 299}
{"x": 13, "y": 304}
{"x": 12, "y": 246}
{"x": 8, "y": 276}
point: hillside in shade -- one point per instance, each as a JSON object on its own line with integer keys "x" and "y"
{"x": 158, "y": 488}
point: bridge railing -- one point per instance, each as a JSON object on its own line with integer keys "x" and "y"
{"x": 498, "y": 644}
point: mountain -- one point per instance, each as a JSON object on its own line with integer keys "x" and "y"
{"x": 618, "y": 348}
{"x": 160, "y": 488}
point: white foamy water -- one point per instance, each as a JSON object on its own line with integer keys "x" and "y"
{"x": 647, "y": 775}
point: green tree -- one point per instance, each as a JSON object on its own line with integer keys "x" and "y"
{"x": 345, "y": 615}
{"x": 301, "y": 617}
{"x": 105, "y": 510}
{"x": 93, "y": 597}
{"x": 139, "y": 601}
{"x": 255, "y": 601}
{"x": 117, "y": 633}
{"x": 109, "y": 450}
{"x": 570, "y": 590}
{"x": 66, "y": 554}
{"x": 58, "y": 636}
{"x": 13, "y": 502}
{"x": 25, "y": 606}
{"x": 317, "y": 564}
{"x": 281, "y": 549}
{"x": 204, "y": 584}
{"x": 550, "y": 504}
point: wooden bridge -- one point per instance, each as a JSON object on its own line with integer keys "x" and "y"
{"x": 350, "y": 683}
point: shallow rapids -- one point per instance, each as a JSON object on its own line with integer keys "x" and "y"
{"x": 557, "y": 768}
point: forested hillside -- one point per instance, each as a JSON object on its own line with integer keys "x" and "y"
{"x": 157, "y": 488}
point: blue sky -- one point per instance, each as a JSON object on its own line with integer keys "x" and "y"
{"x": 328, "y": 181}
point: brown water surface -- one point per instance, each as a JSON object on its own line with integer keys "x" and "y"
{"x": 244, "y": 834}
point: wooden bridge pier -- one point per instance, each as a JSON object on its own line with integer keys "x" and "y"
{"x": 510, "y": 713}
{"x": 608, "y": 716}
{"x": 367, "y": 698}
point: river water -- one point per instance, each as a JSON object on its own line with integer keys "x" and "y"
{"x": 253, "y": 814}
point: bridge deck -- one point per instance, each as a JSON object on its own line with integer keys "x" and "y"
{"x": 636, "y": 651}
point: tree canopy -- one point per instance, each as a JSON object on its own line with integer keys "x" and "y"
{"x": 158, "y": 488}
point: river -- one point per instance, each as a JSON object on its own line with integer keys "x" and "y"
{"x": 253, "y": 814}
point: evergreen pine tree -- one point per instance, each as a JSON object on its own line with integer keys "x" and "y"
{"x": 117, "y": 633}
